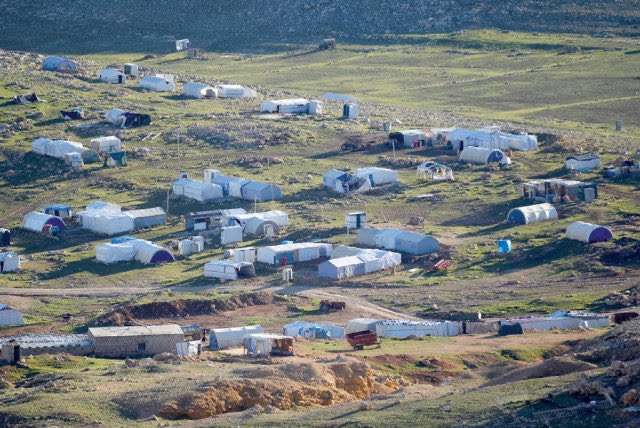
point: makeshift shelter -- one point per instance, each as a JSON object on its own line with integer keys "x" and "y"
{"x": 522, "y": 141}
{"x": 557, "y": 190}
{"x": 59, "y": 210}
{"x": 114, "y": 253}
{"x": 198, "y": 90}
{"x": 560, "y": 320}
{"x": 203, "y": 220}
{"x": 343, "y": 182}
{"x": 480, "y": 155}
{"x": 110, "y": 75}
{"x": 157, "y": 83}
{"x": 75, "y": 114}
{"x": 347, "y": 262}
{"x": 9, "y": 316}
{"x": 377, "y": 176}
{"x": 342, "y": 267}
{"x": 42, "y": 223}
{"x": 195, "y": 244}
{"x": 230, "y": 235}
{"x": 350, "y": 111}
{"x": 224, "y": 338}
{"x": 285, "y": 254}
{"x": 5, "y": 237}
{"x": 102, "y": 217}
{"x": 261, "y": 192}
{"x": 135, "y": 341}
{"x": 268, "y": 345}
{"x": 197, "y": 190}
{"x": 291, "y": 106}
{"x": 150, "y": 253}
{"x": 56, "y": 63}
{"x": 435, "y": 171}
{"x": 361, "y": 324}
{"x": 245, "y": 254}
{"x": 229, "y": 269}
{"x": 584, "y": 162}
{"x": 131, "y": 69}
{"x": 532, "y": 213}
{"x": 9, "y": 261}
{"x": 148, "y": 217}
{"x": 308, "y": 330}
{"x": 109, "y": 144}
{"x": 73, "y": 160}
{"x": 123, "y": 119}
{"x": 59, "y": 148}
{"x": 587, "y": 232}
{"x": 401, "y": 329}
{"x": 266, "y": 223}
{"x": 398, "y": 240}
{"x": 182, "y": 44}
{"x": 234, "y": 91}
{"x": 27, "y": 99}
{"x": 355, "y": 220}
{"x": 409, "y": 138}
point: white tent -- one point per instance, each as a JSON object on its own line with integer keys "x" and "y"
{"x": 198, "y": 90}
{"x": 435, "y": 171}
{"x": 587, "y": 232}
{"x": 293, "y": 253}
{"x": 402, "y": 329}
{"x": 197, "y": 190}
{"x": 230, "y": 235}
{"x": 56, "y": 63}
{"x": 480, "y": 155}
{"x": 298, "y": 105}
{"x": 523, "y": 141}
{"x": 532, "y": 213}
{"x": 351, "y": 261}
{"x": 228, "y": 269}
{"x": 115, "y": 116}
{"x": 343, "y": 182}
{"x": 342, "y": 267}
{"x": 157, "y": 83}
{"x": 102, "y": 217}
{"x": 562, "y": 321}
{"x": 258, "y": 224}
{"x": 377, "y": 176}
{"x": 405, "y": 241}
{"x": 10, "y": 316}
{"x": 114, "y": 253}
{"x": 9, "y": 261}
{"x": 37, "y": 222}
{"x": 223, "y": 338}
{"x": 235, "y": 91}
{"x": 110, "y": 75}
{"x": 148, "y": 252}
{"x": 57, "y": 148}
{"x": 583, "y": 162}
{"x": 299, "y": 328}
{"x": 106, "y": 144}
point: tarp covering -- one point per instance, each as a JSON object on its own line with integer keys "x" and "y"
{"x": 197, "y": 190}
{"x": 9, "y": 261}
{"x": 351, "y": 261}
{"x": 36, "y": 222}
{"x": 148, "y": 217}
{"x": 223, "y": 338}
{"x": 58, "y": 148}
{"x": 361, "y": 324}
{"x": 114, "y": 253}
{"x": 106, "y": 144}
{"x": 435, "y": 171}
{"x": 587, "y": 232}
{"x": 261, "y": 192}
{"x": 480, "y": 155}
{"x": 9, "y": 316}
{"x": 102, "y": 217}
{"x": 150, "y": 253}
{"x": 56, "y": 63}
{"x": 235, "y": 91}
{"x": 532, "y": 213}
{"x": 565, "y": 321}
{"x": 408, "y": 138}
{"x": 377, "y": 176}
{"x": 198, "y": 90}
{"x": 157, "y": 84}
{"x": 343, "y": 182}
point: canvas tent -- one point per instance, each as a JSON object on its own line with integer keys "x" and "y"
{"x": 59, "y": 148}
{"x": 434, "y": 171}
{"x": 343, "y": 182}
{"x": 409, "y": 138}
{"x": 198, "y": 90}
{"x": 224, "y": 338}
{"x": 102, "y": 217}
{"x": 39, "y": 222}
{"x": 351, "y": 261}
{"x": 110, "y": 75}
{"x": 292, "y": 106}
{"x": 587, "y": 232}
{"x": 157, "y": 83}
{"x": 285, "y": 254}
{"x": 9, "y": 261}
{"x": 306, "y": 330}
{"x": 377, "y": 176}
{"x": 114, "y": 253}
{"x": 490, "y": 137}
{"x": 398, "y": 240}
{"x": 585, "y": 162}
{"x": 56, "y": 63}
{"x": 266, "y": 223}
{"x": 133, "y": 249}
{"x": 148, "y": 217}
{"x": 480, "y": 155}
{"x": 532, "y": 213}
{"x": 234, "y": 91}
{"x": 228, "y": 269}
{"x": 261, "y": 192}
{"x": 197, "y": 190}
{"x": 560, "y": 320}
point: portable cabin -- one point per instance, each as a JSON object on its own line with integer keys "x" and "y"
{"x": 408, "y": 138}
{"x": 58, "y": 210}
{"x": 480, "y": 155}
{"x": 261, "y": 192}
{"x": 285, "y": 254}
{"x": 42, "y": 223}
{"x": 434, "y": 171}
{"x": 197, "y": 190}
{"x": 56, "y": 63}
{"x": 9, "y": 261}
{"x": 291, "y": 106}
{"x": 148, "y": 217}
{"x": 108, "y": 144}
{"x": 229, "y": 269}
{"x": 5, "y": 237}
{"x": 234, "y": 91}
{"x": 377, "y": 176}
{"x": 110, "y": 75}
{"x": 589, "y": 233}
{"x": 584, "y": 162}
{"x": 10, "y": 316}
{"x": 157, "y": 83}
{"x": 268, "y": 345}
{"x": 557, "y": 191}
{"x": 532, "y": 213}
{"x": 131, "y": 69}
{"x": 224, "y": 338}
{"x": 198, "y": 90}
{"x": 355, "y": 220}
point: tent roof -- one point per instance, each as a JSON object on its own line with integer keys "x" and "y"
{"x": 148, "y": 212}
{"x": 59, "y": 207}
{"x": 292, "y": 101}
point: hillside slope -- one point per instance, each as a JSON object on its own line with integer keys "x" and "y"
{"x": 145, "y": 25}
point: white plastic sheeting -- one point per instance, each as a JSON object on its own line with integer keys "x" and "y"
{"x": 197, "y": 190}
{"x": 532, "y": 213}
{"x": 228, "y": 269}
{"x": 106, "y": 144}
{"x": 405, "y": 241}
{"x": 491, "y": 138}
{"x": 188, "y": 349}
{"x": 583, "y": 162}
{"x": 566, "y": 322}
{"x": 114, "y": 253}
{"x": 36, "y": 221}
{"x": 293, "y": 253}
{"x": 157, "y": 83}
{"x": 223, "y": 338}
{"x": 139, "y": 250}
{"x": 110, "y": 75}
{"x": 102, "y": 217}
{"x": 351, "y": 261}
{"x": 10, "y": 261}
{"x": 401, "y": 329}
{"x": 145, "y": 250}
{"x": 115, "y": 116}
{"x": 198, "y": 90}
{"x": 377, "y": 176}
{"x": 435, "y": 171}
{"x": 56, "y": 148}
{"x": 231, "y": 235}
{"x": 235, "y": 91}
{"x": 298, "y": 105}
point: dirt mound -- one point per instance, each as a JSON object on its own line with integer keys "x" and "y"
{"x": 622, "y": 344}
{"x": 622, "y": 299}
{"x": 282, "y": 387}
{"x": 556, "y": 366}
{"x": 130, "y": 314}
{"x": 626, "y": 251}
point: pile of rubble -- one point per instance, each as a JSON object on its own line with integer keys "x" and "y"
{"x": 623, "y": 299}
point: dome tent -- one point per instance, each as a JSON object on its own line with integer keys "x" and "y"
{"x": 587, "y": 232}
{"x": 481, "y": 155}
{"x": 37, "y": 222}
{"x": 532, "y": 213}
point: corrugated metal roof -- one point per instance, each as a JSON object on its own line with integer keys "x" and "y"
{"x": 48, "y": 340}
{"x": 149, "y": 330}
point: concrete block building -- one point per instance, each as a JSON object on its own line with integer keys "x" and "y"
{"x": 135, "y": 341}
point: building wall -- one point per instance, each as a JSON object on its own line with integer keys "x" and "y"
{"x": 127, "y": 346}
{"x": 71, "y": 350}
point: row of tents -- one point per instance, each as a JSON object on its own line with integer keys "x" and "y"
{"x": 460, "y": 139}
{"x": 362, "y": 180}
{"x": 217, "y": 186}
{"x": 126, "y": 249}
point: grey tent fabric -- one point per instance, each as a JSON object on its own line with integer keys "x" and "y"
{"x": 261, "y": 192}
